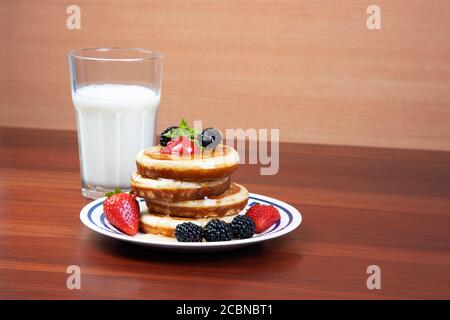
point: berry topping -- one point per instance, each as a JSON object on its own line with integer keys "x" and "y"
{"x": 217, "y": 230}
{"x": 183, "y": 130}
{"x": 179, "y": 140}
{"x": 170, "y": 145}
{"x": 263, "y": 216}
{"x": 209, "y": 138}
{"x": 164, "y": 139}
{"x": 188, "y": 232}
{"x": 243, "y": 227}
{"x": 179, "y": 146}
{"x": 122, "y": 211}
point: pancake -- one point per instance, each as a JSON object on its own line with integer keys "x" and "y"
{"x": 166, "y": 225}
{"x": 219, "y": 163}
{"x": 176, "y": 190}
{"x": 232, "y": 201}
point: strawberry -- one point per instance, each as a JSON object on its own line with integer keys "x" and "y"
{"x": 122, "y": 211}
{"x": 263, "y": 216}
{"x": 170, "y": 145}
{"x": 180, "y": 146}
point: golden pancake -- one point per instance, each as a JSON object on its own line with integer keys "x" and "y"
{"x": 230, "y": 202}
{"x": 221, "y": 162}
{"x": 166, "y": 225}
{"x": 176, "y": 190}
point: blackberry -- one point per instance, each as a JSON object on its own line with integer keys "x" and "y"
{"x": 243, "y": 227}
{"x": 217, "y": 230}
{"x": 209, "y": 138}
{"x": 163, "y": 140}
{"x": 188, "y": 232}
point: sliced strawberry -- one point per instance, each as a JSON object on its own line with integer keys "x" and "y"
{"x": 180, "y": 146}
{"x": 168, "y": 149}
{"x": 189, "y": 146}
{"x": 122, "y": 211}
{"x": 263, "y": 216}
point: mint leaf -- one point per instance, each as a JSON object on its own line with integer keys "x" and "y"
{"x": 175, "y": 133}
{"x": 184, "y": 124}
{"x": 184, "y": 130}
{"x": 172, "y": 134}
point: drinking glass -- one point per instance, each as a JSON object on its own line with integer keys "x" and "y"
{"x": 116, "y": 94}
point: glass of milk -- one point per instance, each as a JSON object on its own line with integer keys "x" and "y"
{"x": 116, "y": 94}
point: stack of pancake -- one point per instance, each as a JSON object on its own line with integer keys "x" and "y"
{"x": 194, "y": 188}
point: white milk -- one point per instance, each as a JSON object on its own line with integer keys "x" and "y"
{"x": 114, "y": 123}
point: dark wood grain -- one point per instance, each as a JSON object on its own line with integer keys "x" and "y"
{"x": 360, "y": 206}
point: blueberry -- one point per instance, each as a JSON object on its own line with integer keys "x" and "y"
{"x": 209, "y": 138}
{"x": 163, "y": 140}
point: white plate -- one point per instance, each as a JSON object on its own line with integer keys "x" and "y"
{"x": 93, "y": 217}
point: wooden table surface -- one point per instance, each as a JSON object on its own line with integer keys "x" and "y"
{"x": 360, "y": 207}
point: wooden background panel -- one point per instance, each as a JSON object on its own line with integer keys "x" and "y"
{"x": 308, "y": 67}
